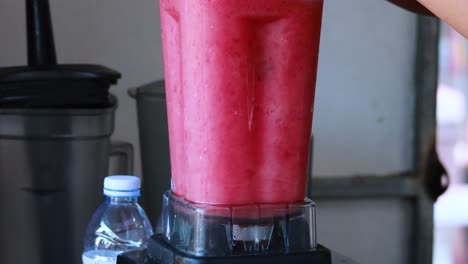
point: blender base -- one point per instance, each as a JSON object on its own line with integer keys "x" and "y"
{"x": 161, "y": 252}
{"x": 234, "y": 234}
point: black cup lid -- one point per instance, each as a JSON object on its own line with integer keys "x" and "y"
{"x": 61, "y": 72}
{"x": 57, "y": 86}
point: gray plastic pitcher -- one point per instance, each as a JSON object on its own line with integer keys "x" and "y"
{"x": 154, "y": 143}
{"x": 52, "y": 165}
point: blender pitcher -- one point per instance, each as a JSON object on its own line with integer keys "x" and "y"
{"x": 240, "y": 80}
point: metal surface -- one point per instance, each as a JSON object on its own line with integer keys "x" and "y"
{"x": 154, "y": 142}
{"x": 52, "y": 163}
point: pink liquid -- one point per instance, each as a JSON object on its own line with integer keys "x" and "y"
{"x": 240, "y": 82}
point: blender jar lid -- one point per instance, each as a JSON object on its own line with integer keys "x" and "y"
{"x": 57, "y": 86}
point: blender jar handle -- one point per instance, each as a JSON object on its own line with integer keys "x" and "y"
{"x": 124, "y": 154}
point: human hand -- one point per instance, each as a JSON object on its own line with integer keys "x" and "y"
{"x": 453, "y": 12}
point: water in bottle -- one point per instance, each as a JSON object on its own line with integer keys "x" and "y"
{"x": 119, "y": 225}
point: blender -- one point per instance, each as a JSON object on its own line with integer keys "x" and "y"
{"x": 240, "y": 80}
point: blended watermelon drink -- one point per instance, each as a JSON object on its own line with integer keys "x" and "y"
{"x": 240, "y": 81}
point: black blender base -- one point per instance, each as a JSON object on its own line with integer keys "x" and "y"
{"x": 160, "y": 252}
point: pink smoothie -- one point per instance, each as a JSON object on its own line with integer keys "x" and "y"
{"x": 240, "y": 81}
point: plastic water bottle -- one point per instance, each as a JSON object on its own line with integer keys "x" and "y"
{"x": 119, "y": 225}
